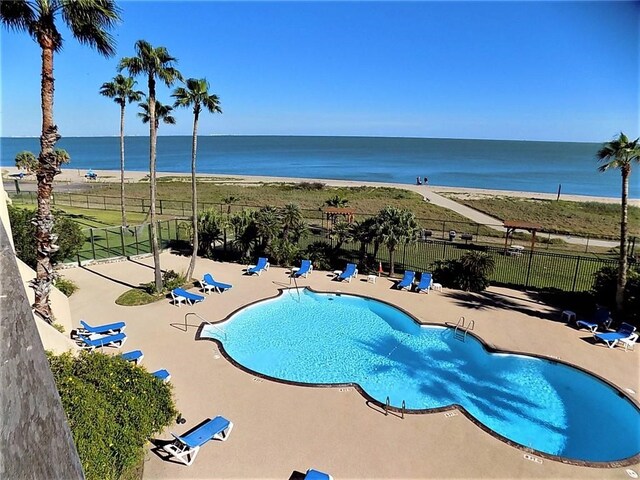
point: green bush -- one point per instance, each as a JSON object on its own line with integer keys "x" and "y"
{"x": 604, "y": 292}
{"x": 70, "y": 236}
{"x": 470, "y": 272}
{"x": 170, "y": 280}
{"x": 66, "y": 286}
{"x": 113, "y": 407}
{"x": 320, "y": 253}
{"x": 283, "y": 252}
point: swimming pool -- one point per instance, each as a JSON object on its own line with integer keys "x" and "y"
{"x": 317, "y": 338}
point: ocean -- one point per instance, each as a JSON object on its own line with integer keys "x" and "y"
{"x": 491, "y": 164}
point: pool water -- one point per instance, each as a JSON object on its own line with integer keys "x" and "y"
{"x": 307, "y": 337}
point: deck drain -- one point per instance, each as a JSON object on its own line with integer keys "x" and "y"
{"x": 256, "y": 379}
{"x": 216, "y": 356}
{"x": 451, "y": 414}
{"x": 632, "y": 392}
{"x": 632, "y": 473}
{"x": 531, "y": 458}
{"x": 344, "y": 389}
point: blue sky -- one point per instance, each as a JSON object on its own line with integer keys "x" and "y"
{"x": 500, "y": 70}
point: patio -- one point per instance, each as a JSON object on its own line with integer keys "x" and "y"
{"x": 281, "y": 429}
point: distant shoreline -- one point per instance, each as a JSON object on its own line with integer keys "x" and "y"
{"x": 76, "y": 176}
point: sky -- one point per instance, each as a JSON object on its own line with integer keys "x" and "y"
{"x": 557, "y": 71}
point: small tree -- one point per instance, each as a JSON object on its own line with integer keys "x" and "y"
{"x": 395, "y": 227}
{"x": 27, "y": 161}
{"x": 211, "y": 226}
{"x": 470, "y": 272}
{"x": 62, "y": 157}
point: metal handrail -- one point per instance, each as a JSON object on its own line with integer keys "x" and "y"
{"x": 224, "y": 334}
{"x": 461, "y": 327}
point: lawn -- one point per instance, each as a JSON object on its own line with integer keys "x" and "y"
{"x": 597, "y": 220}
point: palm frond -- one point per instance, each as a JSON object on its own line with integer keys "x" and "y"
{"x": 89, "y": 22}
{"x": 18, "y": 15}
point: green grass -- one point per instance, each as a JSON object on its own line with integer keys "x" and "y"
{"x": 601, "y": 220}
{"x": 137, "y": 296}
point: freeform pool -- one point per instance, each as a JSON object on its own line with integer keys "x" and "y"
{"x": 316, "y": 338}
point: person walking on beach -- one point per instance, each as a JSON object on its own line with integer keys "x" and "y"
{"x": 426, "y": 180}
{"x": 418, "y": 181}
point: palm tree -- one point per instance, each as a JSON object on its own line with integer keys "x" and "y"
{"x": 196, "y": 95}
{"x": 267, "y": 224}
{"x": 163, "y": 114}
{"x": 122, "y": 90}
{"x": 292, "y": 222}
{"x": 152, "y": 62}
{"x": 62, "y": 157}
{"x": 89, "y": 22}
{"x": 396, "y": 226}
{"x": 26, "y": 160}
{"x": 621, "y": 153}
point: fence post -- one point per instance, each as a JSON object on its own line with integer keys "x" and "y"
{"x": 93, "y": 245}
{"x": 135, "y": 231}
{"x": 87, "y": 201}
{"x": 159, "y": 227}
{"x": 160, "y": 206}
{"x": 124, "y": 253}
{"x": 182, "y": 207}
{"x": 177, "y": 233}
{"x": 104, "y": 202}
{"x": 444, "y": 224}
{"x": 106, "y": 235}
{"x": 586, "y": 247}
{"x": 526, "y": 282}
{"x": 575, "y": 275}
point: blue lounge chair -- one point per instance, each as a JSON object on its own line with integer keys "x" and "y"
{"x": 406, "y": 281}
{"x": 349, "y": 272}
{"x": 180, "y": 295}
{"x": 602, "y": 318}
{"x": 426, "y": 280}
{"x": 185, "y": 448}
{"x": 306, "y": 267}
{"x": 134, "y": 356}
{"x": 263, "y": 264}
{"x": 218, "y": 286}
{"x": 163, "y": 375}
{"x": 89, "y": 343}
{"x": 111, "y": 328}
{"x": 624, "y": 332}
{"x": 317, "y": 475}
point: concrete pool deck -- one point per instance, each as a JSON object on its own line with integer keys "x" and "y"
{"x": 283, "y": 429}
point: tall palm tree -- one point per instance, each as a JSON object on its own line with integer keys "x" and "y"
{"x": 196, "y": 95}
{"x": 292, "y": 222}
{"x": 268, "y": 225}
{"x": 154, "y": 63}
{"x": 89, "y": 22}
{"x": 621, "y": 153}
{"x": 122, "y": 90}
{"x": 396, "y": 226}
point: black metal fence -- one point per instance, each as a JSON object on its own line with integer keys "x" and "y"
{"x": 527, "y": 269}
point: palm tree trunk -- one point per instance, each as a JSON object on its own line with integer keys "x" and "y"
{"x": 622, "y": 266}
{"x": 194, "y": 198}
{"x": 392, "y": 269}
{"x": 122, "y": 210}
{"x": 47, "y": 170}
{"x": 153, "y": 130}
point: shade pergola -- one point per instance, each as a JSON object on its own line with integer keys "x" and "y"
{"x": 332, "y": 213}
{"x": 513, "y": 225}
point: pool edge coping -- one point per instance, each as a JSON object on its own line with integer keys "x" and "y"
{"x": 635, "y": 459}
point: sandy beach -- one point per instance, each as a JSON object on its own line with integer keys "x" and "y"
{"x": 75, "y": 176}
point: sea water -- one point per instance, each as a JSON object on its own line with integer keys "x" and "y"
{"x": 491, "y": 164}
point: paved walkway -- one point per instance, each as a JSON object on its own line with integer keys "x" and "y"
{"x": 282, "y": 429}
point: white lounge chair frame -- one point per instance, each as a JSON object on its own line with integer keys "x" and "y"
{"x": 205, "y": 287}
{"x": 187, "y": 455}
{"x": 178, "y": 299}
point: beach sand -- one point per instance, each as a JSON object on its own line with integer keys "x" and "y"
{"x": 76, "y": 176}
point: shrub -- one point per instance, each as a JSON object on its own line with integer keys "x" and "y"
{"x": 309, "y": 186}
{"x": 70, "y": 236}
{"x": 470, "y": 272}
{"x": 283, "y": 251}
{"x": 320, "y": 253}
{"x": 66, "y": 286}
{"x": 170, "y": 280}
{"x": 604, "y": 292}
{"x": 113, "y": 407}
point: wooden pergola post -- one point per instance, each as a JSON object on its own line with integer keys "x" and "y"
{"x": 512, "y": 226}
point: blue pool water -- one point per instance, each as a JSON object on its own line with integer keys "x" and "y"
{"x": 330, "y": 338}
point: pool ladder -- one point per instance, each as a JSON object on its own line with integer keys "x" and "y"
{"x": 460, "y": 332}
{"x": 387, "y": 405}
{"x": 222, "y": 332}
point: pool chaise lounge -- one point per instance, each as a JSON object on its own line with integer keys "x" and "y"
{"x": 185, "y": 448}
{"x": 134, "y": 356}
{"x": 349, "y": 272}
{"x": 317, "y": 475}
{"x": 602, "y": 318}
{"x": 208, "y": 283}
{"x": 180, "y": 296}
{"x": 407, "y": 280}
{"x": 426, "y": 281}
{"x": 117, "y": 340}
{"x": 624, "y": 334}
{"x": 261, "y": 266}
{"x": 306, "y": 267}
{"x": 111, "y": 328}
{"x": 163, "y": 375}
